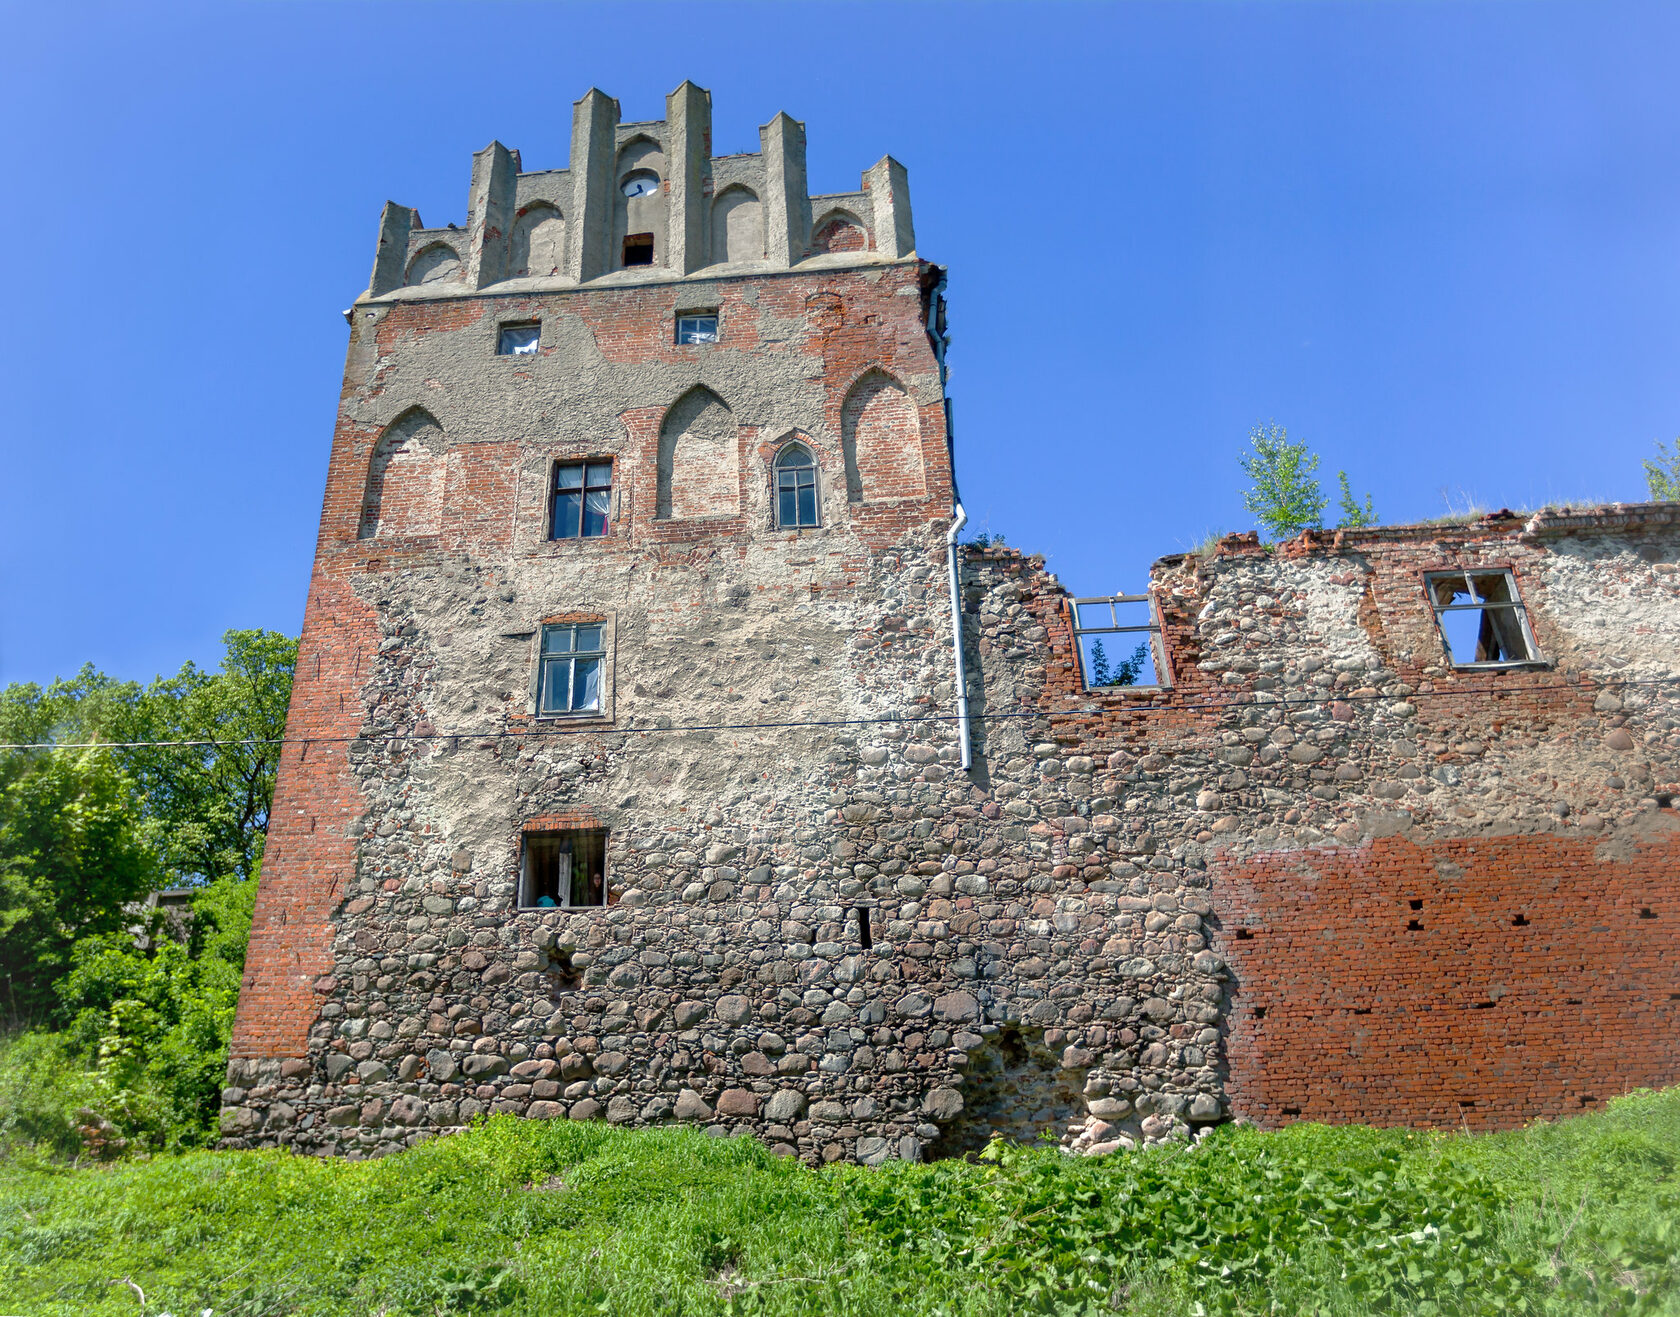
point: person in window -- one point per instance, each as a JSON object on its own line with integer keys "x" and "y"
{"x": 545, "y": 900}
{"x": 596, "y": 886}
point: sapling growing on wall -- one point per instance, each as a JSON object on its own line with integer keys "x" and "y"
{"x": 1353, "y": 515}
{"x": 1285, "y": 496}
{"x": 1662, "y": 477}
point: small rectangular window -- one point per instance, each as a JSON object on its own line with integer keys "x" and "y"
{"x": 1131, "y": 655}
{"x": 518, "y": 340}
{"x": 638, "y": 249}
{"x": 582, "y": 500}
{"x": 569, "y": 674}
{"x": 566, "y": 868}
{"x": 697, "y": 327}
{"x": 1481, "y": 618}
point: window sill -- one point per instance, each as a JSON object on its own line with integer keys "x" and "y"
{"x": 588, "y": 718}
{"x": 1515, "y": 666}
{"x": 1127, "y": 690}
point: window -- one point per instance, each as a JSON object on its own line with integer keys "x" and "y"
{"x": 796, "y": 488}
{"x": 1130, "y": 623}
{"x": 1482, "y": 620}
{"x": 697, "y": 327}
{"x": 582, "y": 500}
{"x": 564, "y": 868}
{"x": 518, "y": 340}
{"x": 638, "y": 249}
{"x": 569, "y": 674}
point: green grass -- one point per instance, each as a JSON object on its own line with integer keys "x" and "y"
{"x": 526, "y": 1217}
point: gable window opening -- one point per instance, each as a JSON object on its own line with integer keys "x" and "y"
{"x": 1481, "y": 618}
{"x": 796, "y": 489}
{"x": 565, "y": 869}
{"x": 582, "y": 500}
{"x": 1118, "y": 641}
{"x": 519, "y": 340}
{"x": 569, "y": 679}
{"x": 638, "y": 249}
{"x": 697, "y": 327}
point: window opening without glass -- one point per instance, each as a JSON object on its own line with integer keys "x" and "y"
{"x": 700, "y": 327}
{"x": 518, "y": 340}
{"x": 582, "y": 500}
{"x": 570, "y": 677}
{"x": 563, "y": 868}
{"x": 796, "y": 488}
{"x": 638, "y": 249}
{"x": 1118, "y": 640}
{"x": 1482, "y": 620}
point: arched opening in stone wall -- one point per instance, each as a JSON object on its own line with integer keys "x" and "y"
{"x": 404, "y": 493}
{"x": 539, "y": 243}
{"x": 699, "y": 464}
{"x": 639, "y": 209}
{"x": 1016, "y": 1090}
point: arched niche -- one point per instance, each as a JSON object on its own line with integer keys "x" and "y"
{"x": 881, "y": 440}
{"x": 404, "y": 492}
{"x": 737, "y": 226}
{"x": 839, "y": 231}
{"x": 435, "y": 264}
{"x": 539, "y": 243}
{"x": 699, "y": 461}
{"x": 640, "y": 161}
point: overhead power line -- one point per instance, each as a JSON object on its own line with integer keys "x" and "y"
{"x": 549, "y": 729}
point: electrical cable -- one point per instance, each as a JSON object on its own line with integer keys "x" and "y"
{"x": 1052, "y": 714}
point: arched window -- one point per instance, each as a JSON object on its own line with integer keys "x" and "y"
{"x": 796, "y": 488}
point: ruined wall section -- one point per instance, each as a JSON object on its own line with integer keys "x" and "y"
{"x": 1441, "y": 894}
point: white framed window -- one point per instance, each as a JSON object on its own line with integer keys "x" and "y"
{"x": 1481, "y": 618}
{"x": 796, "y": 489}
{"x": 519, "y": 340}
{"x": 1133, "y": 628}
{"x": 697, "y": 327}
{"x": 570, "y": 669}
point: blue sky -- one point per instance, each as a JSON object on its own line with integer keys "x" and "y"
{"x": 1439, "y": 242}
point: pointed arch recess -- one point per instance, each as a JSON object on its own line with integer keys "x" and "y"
{"x": 699, "y": 458}
{"x": 839, "y": 231}
{"x": 438, "y": 263}
{"x": 404, "y": 491}
{"x": 737, "y": 226}
{"x": 539, "y": 243}
{"x": 881, "y": 440}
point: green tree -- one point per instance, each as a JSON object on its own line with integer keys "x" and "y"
{"x": 73, "y": 851}
{"x": 1353, "y": 515}
{"x": 1285, "y": 495}
{"x": 1662, "y": 477}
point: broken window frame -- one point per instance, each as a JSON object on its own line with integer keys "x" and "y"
{"x": 511, "y": 340}
{"x": 564, "y": 843}
{"x": 590, "y": 467}
{"x": 552, "y": 661}
{"x": 695, "y": 328}
{"x": 1510, "y": 607}
{"x": 1151, "y": 629}
{"x": 795, "y": 472}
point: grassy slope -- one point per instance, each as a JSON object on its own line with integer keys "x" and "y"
{"x": 556, "y": 1218}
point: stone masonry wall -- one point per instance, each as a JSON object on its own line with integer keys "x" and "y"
{"x": 1140, "y": 913}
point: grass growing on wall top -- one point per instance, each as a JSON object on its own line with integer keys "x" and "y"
{"x": 528, "y": 1217}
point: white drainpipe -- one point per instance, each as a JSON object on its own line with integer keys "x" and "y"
{"x": 961, "y": 520}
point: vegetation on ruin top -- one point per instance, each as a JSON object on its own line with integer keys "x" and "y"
{"x": 529, "y": 1217}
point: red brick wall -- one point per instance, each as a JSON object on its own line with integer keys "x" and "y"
{"x": 1476, "y": 981}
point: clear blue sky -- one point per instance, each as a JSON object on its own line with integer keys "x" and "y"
{"x": 1439, "y": 242}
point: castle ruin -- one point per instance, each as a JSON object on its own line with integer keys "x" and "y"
{"x": 658, "y": 754}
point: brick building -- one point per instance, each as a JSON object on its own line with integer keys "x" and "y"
{"x": 635, "y": 772}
